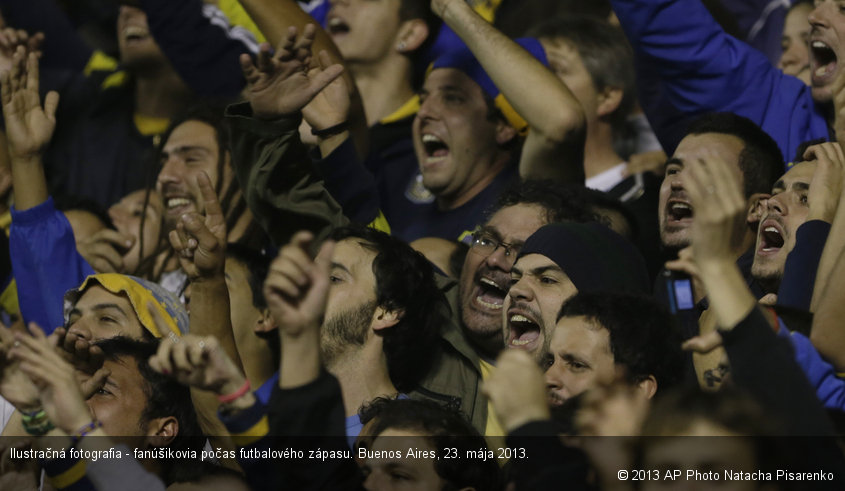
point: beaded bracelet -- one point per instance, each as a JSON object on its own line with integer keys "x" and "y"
{"x": 226, "y": 399}
{"x": 84, "y": 430}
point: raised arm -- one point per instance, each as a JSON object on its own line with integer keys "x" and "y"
{"x": 41, "y": 242}
{"x": 200, "y": 244}
{"x": 271, "y": 163}
{"x": 554, "y": 148}
{"x": 29, "y": 128}
{"x": 761, "y": 363}
{"x": 802, "y": 267}
{"x": 297, "y": 290}
{"x": 274, "y": 18}
{"x": 828, "y": 332}
{"x": 703, "y": 69}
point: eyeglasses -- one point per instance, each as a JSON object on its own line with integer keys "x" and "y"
{"x": 483, "y": 243}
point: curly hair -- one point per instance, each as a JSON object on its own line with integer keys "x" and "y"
{"x": 561, "y": 202}
{"x": 404, "y": 283}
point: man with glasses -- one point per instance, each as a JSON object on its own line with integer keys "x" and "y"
{"x": 473, "y": 339}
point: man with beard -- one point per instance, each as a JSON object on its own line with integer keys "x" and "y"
{"x": 474, "y": 338}
{"x": 557, "y": 262}
{"x": 380, "y": 319}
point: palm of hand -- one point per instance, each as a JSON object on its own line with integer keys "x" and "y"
{"x": 283, "y": 90}
{"x": 28, "y": 128}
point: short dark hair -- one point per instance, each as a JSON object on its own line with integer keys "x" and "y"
{"x": 644, "y": 338}
{"x": 606, "y": 55}
{"x": 562, "y": 203}
{"x": 760, "y": 161}
{"x": 444, "y": 428}
{"x": 165, "y": 397}
{"x": 420, "y": 9}
{"x": 404, "y": 283}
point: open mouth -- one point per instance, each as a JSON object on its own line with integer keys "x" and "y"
{"x": 679, "y": 211}
{"x": 824, "y": 62}
{"x": 178, "y": 205}
{"x": 337, "y": 26}
{"x": 771, "y": 238}
{"x": 555, "y": 399}
{"x": 135, "y": 34}
{"x": 490, "y": 294}
{"x": 435, "y": 149}
{"x": 524, "y": 331}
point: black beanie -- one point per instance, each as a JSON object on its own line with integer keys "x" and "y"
{"x": 594, "y": 257}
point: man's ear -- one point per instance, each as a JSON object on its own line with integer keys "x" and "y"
{"x": 648, "y": 386}
{"x": 609, "y": 100}
{"x": 162, "y": 431}
{"x": 412, "y": 34}
{"x": 383, "y": 318}
{"x": 265, "y": 323}
{"x": 504, "y": 132}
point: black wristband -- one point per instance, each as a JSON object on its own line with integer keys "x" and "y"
{"x": 331, "y": 130}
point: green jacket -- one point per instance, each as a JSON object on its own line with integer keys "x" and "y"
{"x": 278, "y": 181}
{"x": 279, "y": 185}
{"x": 455, "y": 376}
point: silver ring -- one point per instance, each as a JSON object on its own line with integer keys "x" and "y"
{"x": 201, "y": 344}
{"x": 16, "y": 344}
{"x": 173, "y": 337}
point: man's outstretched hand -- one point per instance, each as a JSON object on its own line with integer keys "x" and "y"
{"x": 283, "y": 83}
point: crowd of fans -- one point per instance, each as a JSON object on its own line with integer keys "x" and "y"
{"x": 422, "y": 244}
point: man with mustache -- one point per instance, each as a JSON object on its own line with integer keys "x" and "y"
{"x": 557, "y": 262}
{"x": 474, "y": 338}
